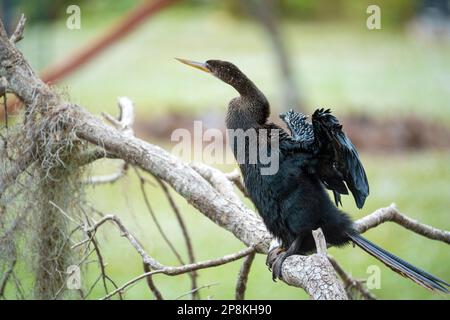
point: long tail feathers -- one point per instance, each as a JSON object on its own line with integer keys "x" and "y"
{"x": 400, "y": 266}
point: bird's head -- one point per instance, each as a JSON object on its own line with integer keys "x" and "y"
{"x": 255, "y": 103}
{"x": 224, "y": 70}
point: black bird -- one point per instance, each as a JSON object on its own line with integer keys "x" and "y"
{"x": 293, "y": 201}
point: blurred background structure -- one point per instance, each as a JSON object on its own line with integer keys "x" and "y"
{"x": 390, "y": 87}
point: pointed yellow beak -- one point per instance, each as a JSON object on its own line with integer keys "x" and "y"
{"x": 199, "y": 65}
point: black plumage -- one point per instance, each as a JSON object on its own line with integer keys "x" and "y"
{"x": 293, "y": 201}
{"x": 337, "y": 158}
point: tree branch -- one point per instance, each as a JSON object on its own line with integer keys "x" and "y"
{"x": 197, "y": 289}
{"x": 351, "y": 283}
{"x": 91, "y": 235}
{"x": 391, "y": 213}
{"x": 156, "y": 222}
{"x": 174, "y": 271}
{"x": 18, "y": 33}
{"x": 235, "y": 177}
{"x": 187, "y": 238}
{"x": 241, "y": 285}
{"x": 124, "y": 123}
{"x": 321, "y": 282}
{"x": 90, "y": 156}
{"x": 151, "y": 283}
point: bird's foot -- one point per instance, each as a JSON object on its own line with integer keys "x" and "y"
{"x": 272, "y": 256}
{"x": 277, "y": 266}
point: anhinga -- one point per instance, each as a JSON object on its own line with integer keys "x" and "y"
{"x": 316, "y": 156}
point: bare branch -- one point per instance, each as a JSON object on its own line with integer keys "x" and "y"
{"x": 322, "y": 283}
{"x": 241, "y": 285}
{"x": 391, "y": 213}
{"x": 152, "y": 263}
{"x": 93, "y": 155}
{"x": 151, "y": 284}
{"x": 173, "y": 271}
{"x": 235, "y": 177}
{"x": 351, "y": 283}
{"x": 101, "y": 263}
{"x": 6, "y": 276}
{"x": 196, "y": 290}
{"x": 18, "y": 33}
{"x": 319, "y": 239}
{"x": 315, "y": 275}
{"x": 124, "y": 233}
{"x": 187, "y": 238}
{"x": 3, "y": 33}
{"x": 124, "y": 123}
{"x": 155, "y": 220}
{"x": 218, "y": 180}
{"x": 110, "y": 178}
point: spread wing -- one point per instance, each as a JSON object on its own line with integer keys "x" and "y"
{"x": 338, "y": 165}
{"x": 302, "y": 133}
{"x": 340, "y": 160}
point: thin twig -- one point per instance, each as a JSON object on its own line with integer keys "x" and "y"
{"x": 351, "y": 283}
{"x": 187, "y": 238}
{"x": 91, "y": 288}
{"x": 241, "y": 285}
{"x": 6, "y": 276}
{"x": 235, "y": 177}
{"x": 123, "y": 123}
{"x": 18, "y": 33}
{"x": 91, "y": 238}
{"x": 92, "y": 155}
{"x": 101, "y": 263}
{"x": 125, "y": 233}
{"x": 173, "y": 271}
{"x": 151, "y": 283}
{"x": 155, "y": 220}
{"x": 110, "y": 178}
{"x": 63, "y": 286}
{"x": 319, "y": 239}
{"x": 64, "y": 213}
{"x": 102, "y": 266}
{"x": 391, "y": 213}
{"x": 206, "y": 286}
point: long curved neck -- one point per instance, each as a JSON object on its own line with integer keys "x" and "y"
{"x": 252, "y": 103}
{"x": 244, "y": 86}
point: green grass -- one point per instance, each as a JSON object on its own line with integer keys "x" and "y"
{"x": 418, "y": 183}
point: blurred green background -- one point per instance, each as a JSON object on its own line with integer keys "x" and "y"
{"x": 398, "y": 72}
